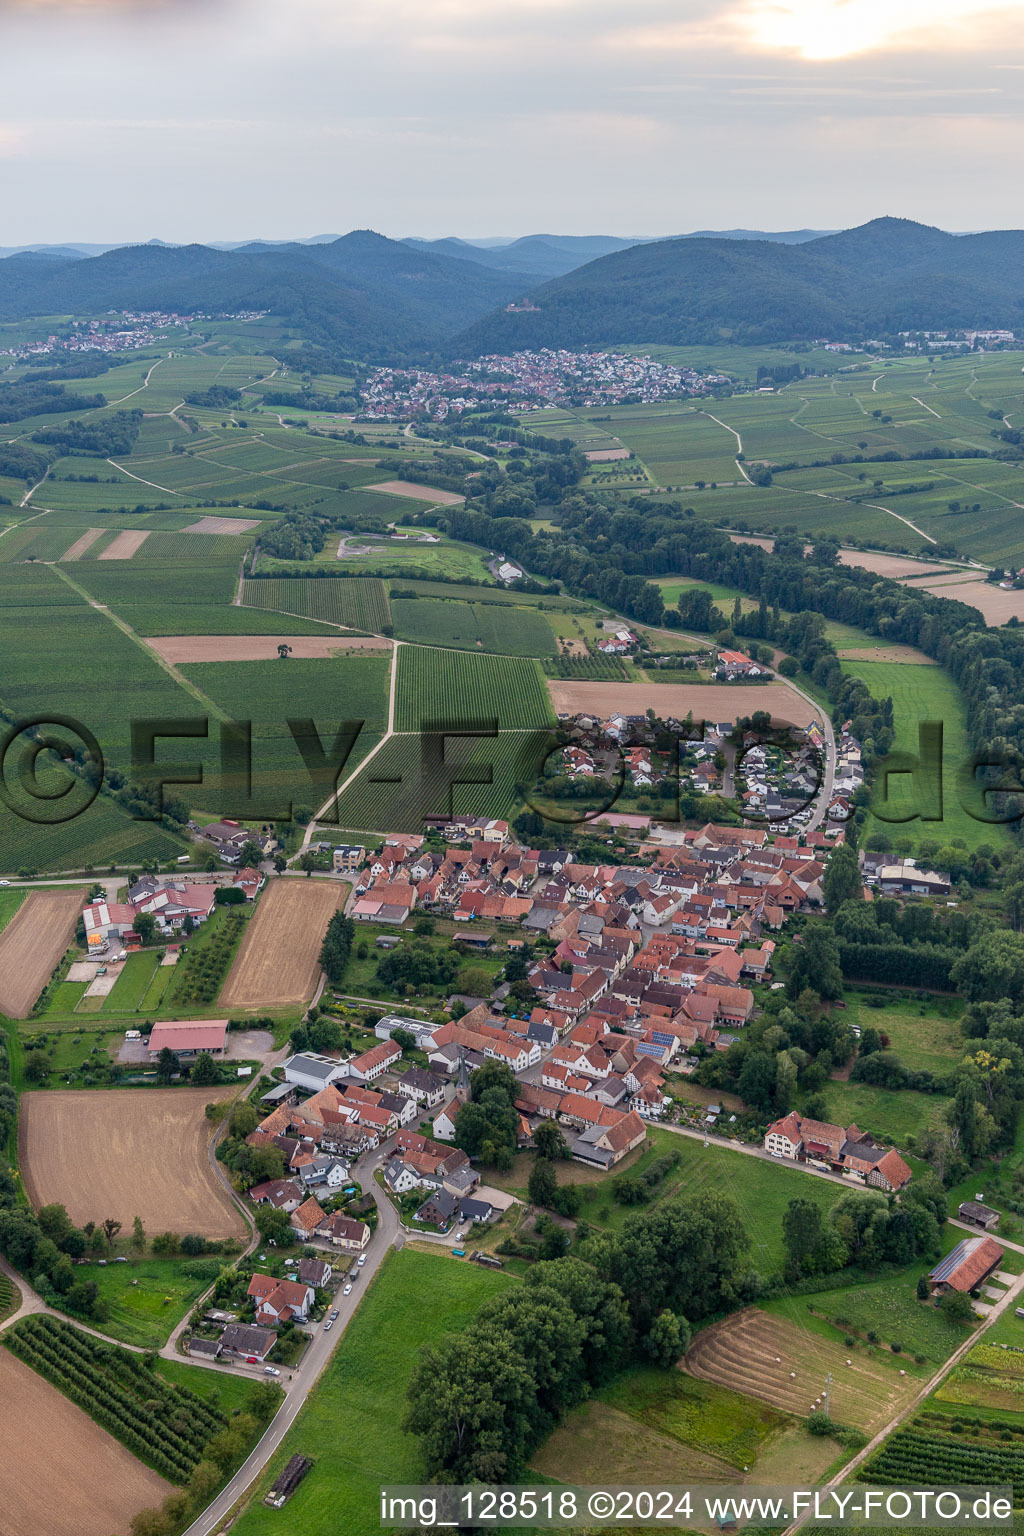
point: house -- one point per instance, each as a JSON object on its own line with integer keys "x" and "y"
{"x": 444, "y": 1123}
{"x": 967, "y": 1266}
{"x": 308, "y": 1218}
{"x": 374, "y": 1062}
{"x": 250, "y": 881}
{"x": 247, "y": 1342}
{"x": 438, "y": 1209}
{"x": 344, "y": 1232}
{"x": 604, "y": 1145}
{"x": 907, "y": 880}
{"x": 308, "y": 1070}
{"x": 978, "y": 1215}
{"x": 278, "y": 1301}
{"x": 347, "y": 857}
{"x": 324, "y": 1173}
{"x": 735, "y": 664}
{"x": 188, "y": 1038}
{"x": 282, "y": 1194}
{"x": 476, "y": 1210}
{"x": 423, "y": 1086}
{"x": 315, "y": 1272}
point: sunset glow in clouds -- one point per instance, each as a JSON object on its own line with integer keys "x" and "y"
{"x": 838, "y": 29}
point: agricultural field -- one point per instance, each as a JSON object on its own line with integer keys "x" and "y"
{"x": 277, "y": 965}
{"x": 888, "y": 1308}
{"x": 10, "y": 901}
{"x": 403, "y": 781}
{"x": 413, "y": 1301}
{"x": 769, "y": 1357}
{"x": 462, "y": 690}
{"x": 32, "y": 944}
{"x": 268, "y": 694}
{"x": 943, "y": 1447}
{"x": 125, "y": 1153}
{"x": 920, "y": 694}
{"x": 704, "y": 701}
{"x": 466, "y": 626}
{"x": 62, "y": 1473}
{"x": 355, "y": 603}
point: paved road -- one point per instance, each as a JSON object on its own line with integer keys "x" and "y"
{"x": 305, "y": 1376}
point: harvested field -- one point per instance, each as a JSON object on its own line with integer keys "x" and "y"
{"x": 80, "y": 546}
{"x": 755, "y": 1353}
{"x": 277, "y": 965}
{"x": 995, "y": 604}
{"x": 417, "y": 492}
{"x": 124, "y": 546}
{"x": 600, "y": 1444}
{"x": 223, "y": 525}
{"x": 32, "y": 943}
{"x": 886, "y": 565}
{"x": 64, "y": 1474}
{"x": 711, "y": 701}
{"x": 605, "y": 455}
{"x": 181, "y": 649}
{"x": 904, "y": 653}
{"x": 126, "y": 1153}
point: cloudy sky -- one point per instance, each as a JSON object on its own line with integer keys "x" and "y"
{"x": 226, "y": 119}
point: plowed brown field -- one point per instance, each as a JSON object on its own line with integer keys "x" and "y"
{"x": 182, "y": 649}
{"x": 126, "y": 1153}
{"x": 277, "y": 964}
{"x": 707, "y": 701}
{"x": 60, "y": 1473}
{"x": 32, "y": 943}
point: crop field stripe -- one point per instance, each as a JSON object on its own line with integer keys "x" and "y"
{"x": 461, "y": 688}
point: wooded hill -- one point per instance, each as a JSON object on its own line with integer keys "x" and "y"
{"x": 883, "y": 277}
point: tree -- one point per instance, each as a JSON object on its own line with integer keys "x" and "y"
{"x": 138, "y": 1235}
{"x": 274, "y": 1226}
{"x": 667, "y": 1339}
{"x": 543, "y": 1182}
{"x": 145, "y": 926}
{"x": 204, "y": 1070}
{"x": 842, "y": 878}
{"x": 816, "y": 964}
{"x": 284, "y": 651}
{"x": 957, "y": 1307}
{"x": 167, "y": 1065}
{"x": 549, "y": 1141}
{"x": 110, "y": 1230}
{"x": 922, "y": 1287}
{"x": 992, "y": 968}
{"x": 756, "y": 1083}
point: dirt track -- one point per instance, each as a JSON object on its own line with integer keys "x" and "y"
{"x": 33, "y": 942}
{"x": 60, "y": 1473}
{"x": 278, "y": 965}
{"x": 708, "y": 701}
{"x": 995, "y": 604}
{"x": 181, "y": 649}
{"x": 126, "y": 1153}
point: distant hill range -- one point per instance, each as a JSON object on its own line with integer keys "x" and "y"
{"x": 885, "y": 276}
{"x": 365, "y": 296}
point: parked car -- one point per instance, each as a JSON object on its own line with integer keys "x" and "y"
{"x": 334, "y": 1314}
{"x": 348, "y": 1289}
{"x": 121, "y": 1259}
{"x": 271, "y": 1370}
{"x": 361, "y": 1260}
{"x": 328, "y": 1325}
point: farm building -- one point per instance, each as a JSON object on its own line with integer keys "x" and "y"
{"x": 107, "y": 921}
{"x": 187, "y": 1039}
{"x": 967, "y": 1266}
{"x": 978, "y": 1215}
{"x": 308, "y": 1070}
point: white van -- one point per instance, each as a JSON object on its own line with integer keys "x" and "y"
{"x": 133, "y": 1034}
